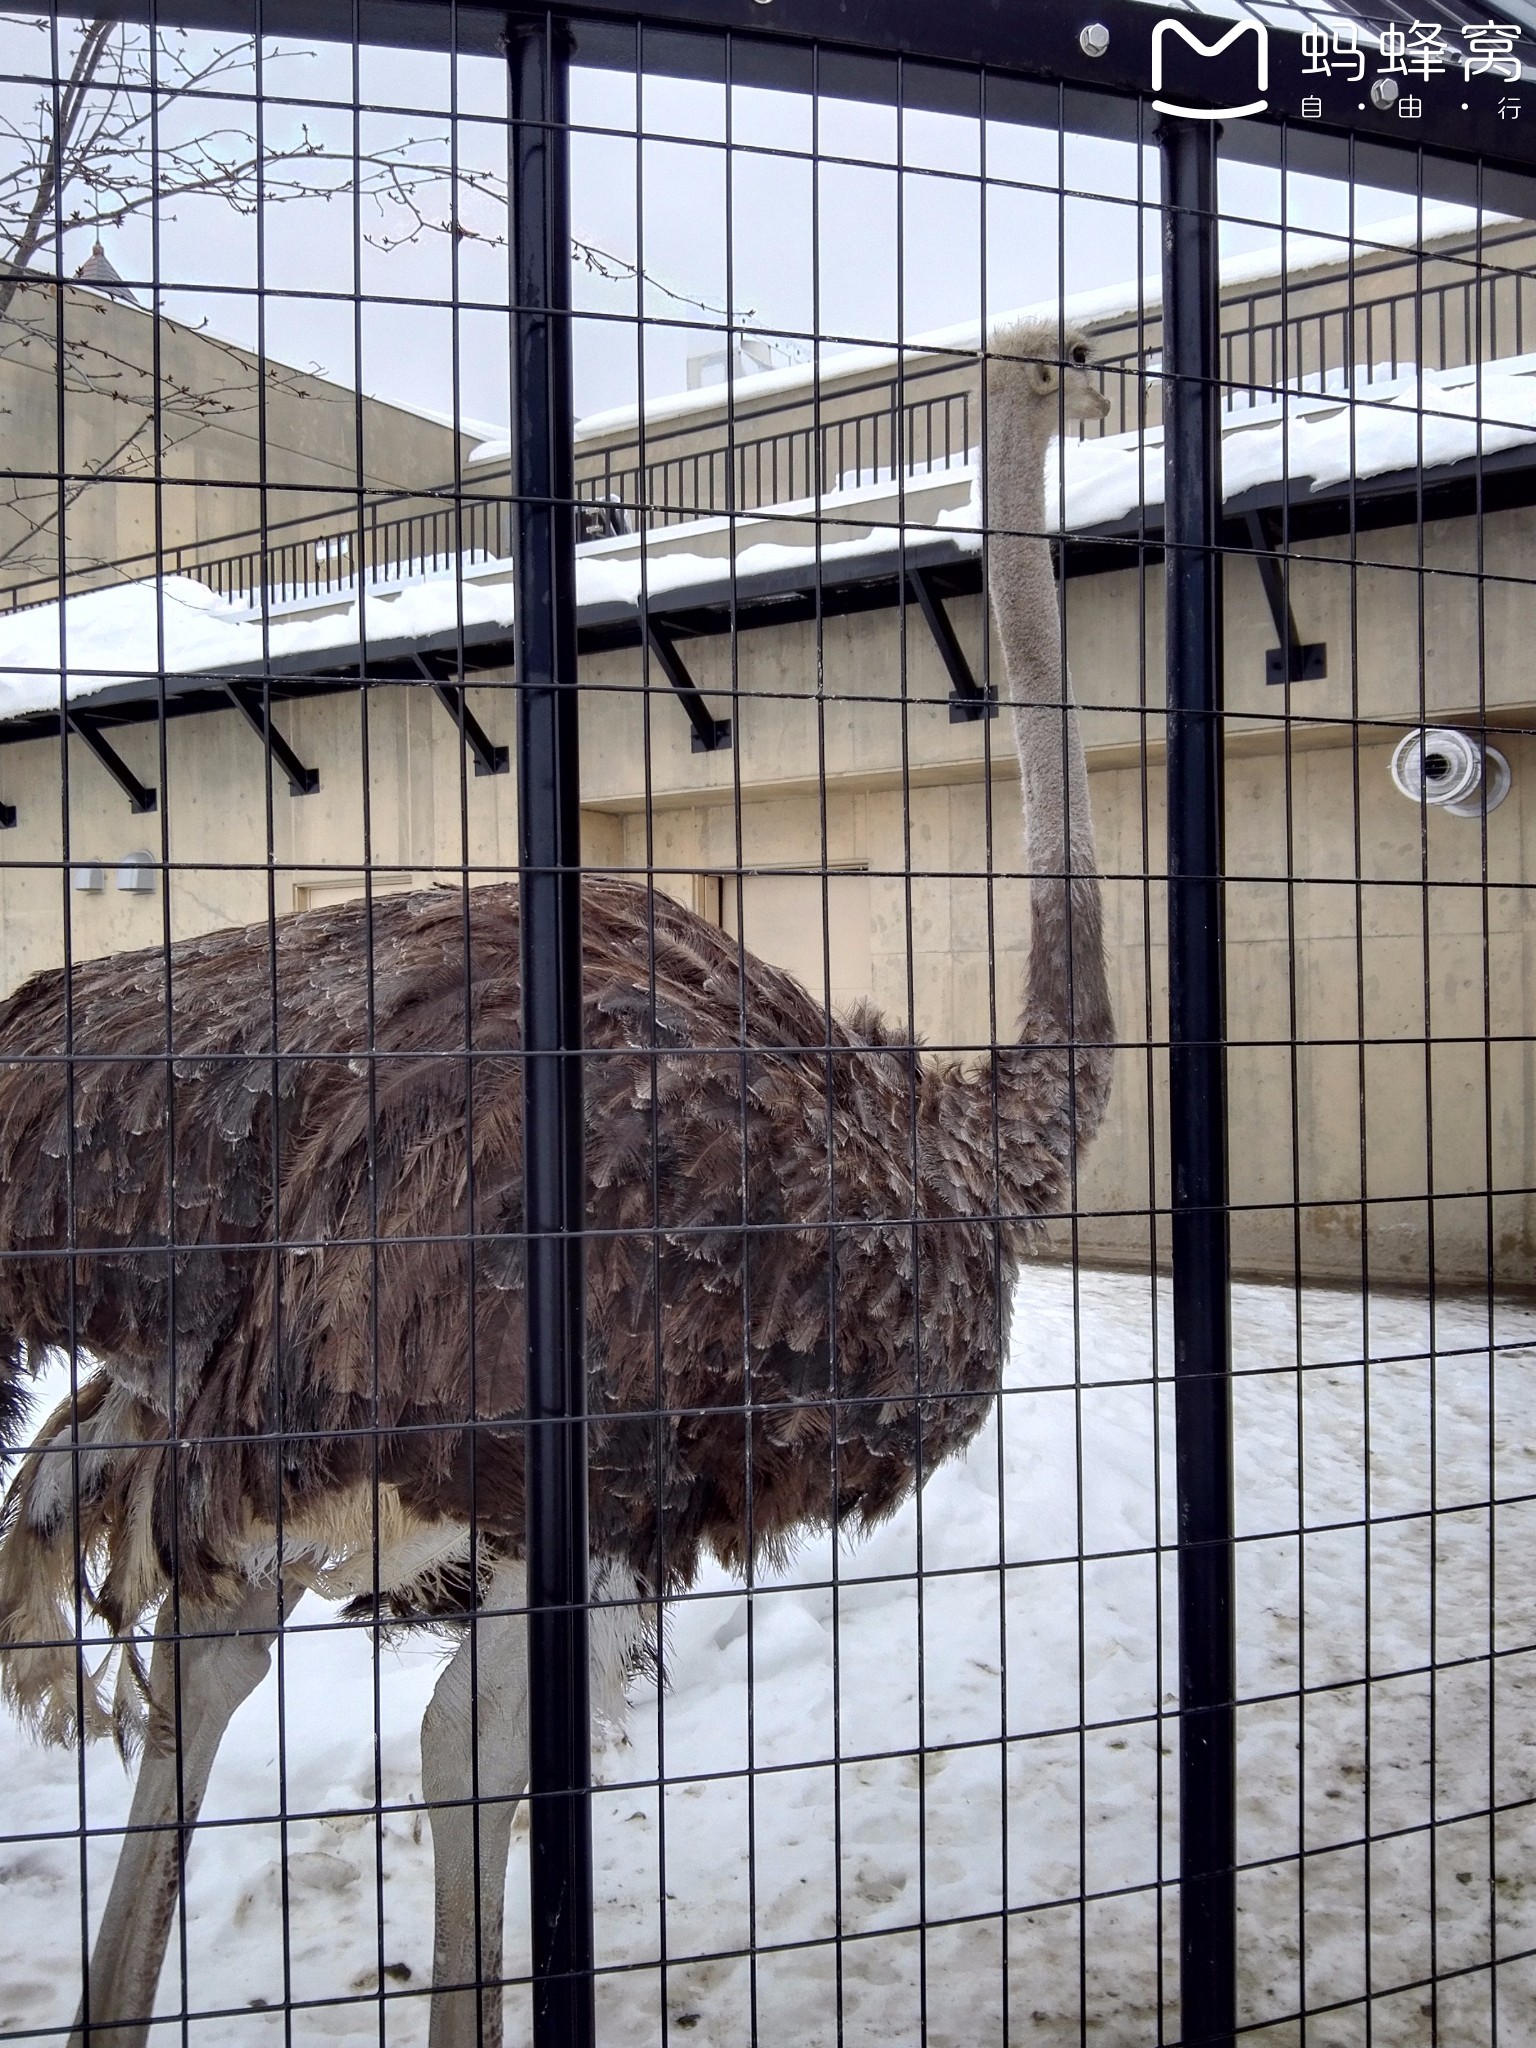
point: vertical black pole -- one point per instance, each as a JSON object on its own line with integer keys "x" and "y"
{"x": 1197, "y": 1110}
{"x": 554, "y": 1178}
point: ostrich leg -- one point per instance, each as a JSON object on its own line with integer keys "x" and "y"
{"x": 223, "y": 1656}
{"x": 478, "y": 1711}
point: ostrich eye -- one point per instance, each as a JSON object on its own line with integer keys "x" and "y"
{"x": 1080, "y": 355}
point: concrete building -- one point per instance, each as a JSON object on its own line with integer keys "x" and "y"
{"x": 172, "y": 437}
{"x": 861, "y": 826}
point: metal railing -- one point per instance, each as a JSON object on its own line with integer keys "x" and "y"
{"x": 324, "y": 555}
{"x": 313, "y": 554}
{"x": 1268, "y": 345}
{"x": 658, "y": 483}
{"x": 378, "y": 551}
{"x": 920, "y": 423}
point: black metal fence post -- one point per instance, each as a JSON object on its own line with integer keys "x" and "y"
{"x": 1197, "y": 1087}
{"x": 554, "y": 1178}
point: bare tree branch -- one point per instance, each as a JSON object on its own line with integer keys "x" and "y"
{"x": 97, "y": 161}
{"x": 53, "y": 173}
{"x": 144, "y": 121}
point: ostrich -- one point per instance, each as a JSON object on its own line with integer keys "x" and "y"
{"x": 274, "y": 1193}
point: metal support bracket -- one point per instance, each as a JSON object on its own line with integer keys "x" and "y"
{"x": 302, "y": 781}
{"x": 969, "y": 700}
{"x": 710, "y": 734}
{"x": 489, "y": 759}
{"x": 1293, "y": 661}
{"x": 139, "y": 798}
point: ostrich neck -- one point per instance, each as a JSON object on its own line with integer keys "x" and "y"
{"x": 1066, "y": 1004}
{"x": 1058, "y": 825}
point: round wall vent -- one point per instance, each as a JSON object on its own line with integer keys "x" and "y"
{"x": 1452, "y": 770}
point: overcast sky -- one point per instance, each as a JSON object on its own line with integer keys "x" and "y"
{"x": 844, "y": 245}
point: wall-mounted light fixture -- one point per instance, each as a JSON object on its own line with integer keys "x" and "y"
{"x": 136, "y": 874}
{"x": 1452, "y": 770}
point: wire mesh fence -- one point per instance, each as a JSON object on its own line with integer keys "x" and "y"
{"x": 766, "y": 1167}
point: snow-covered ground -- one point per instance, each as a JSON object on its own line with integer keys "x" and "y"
{"x": 1043, "y": 1614}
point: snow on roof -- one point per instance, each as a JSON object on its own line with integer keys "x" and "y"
{"x": 1302, "y": 250}
{"x": 133, "y": 632}
{"x": 1323, "y": 437}
{"x": 130, "y": 633}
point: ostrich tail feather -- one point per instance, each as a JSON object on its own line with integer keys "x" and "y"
{"x": 66, "y": 1514}
{"x": 14, "y": 1397}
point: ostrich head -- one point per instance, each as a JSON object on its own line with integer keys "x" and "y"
{"x": 1046, "y": 369}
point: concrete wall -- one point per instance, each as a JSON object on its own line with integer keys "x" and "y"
{"x": 232, "y": 846}
{"x": 232, "y": 441}
{"x": 1381, "y": 976}
{"x": 1370, "y": 943}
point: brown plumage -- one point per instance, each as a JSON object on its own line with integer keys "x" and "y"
{"x": 299, "y": 1150}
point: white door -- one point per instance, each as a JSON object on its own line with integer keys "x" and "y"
{"x": 343, "y": 888}
{"x": 780, "y": 919}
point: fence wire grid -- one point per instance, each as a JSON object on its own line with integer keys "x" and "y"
{"x": 766, "y": 1039}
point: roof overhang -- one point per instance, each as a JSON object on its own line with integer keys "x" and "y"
{"x": 879, "y": 579}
